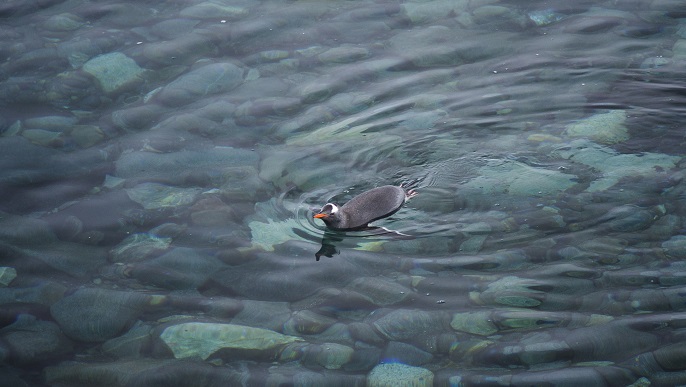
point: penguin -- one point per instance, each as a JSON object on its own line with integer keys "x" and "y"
{"x": 365, "y": 208}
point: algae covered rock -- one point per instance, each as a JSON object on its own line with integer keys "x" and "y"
{"x": 605, "y": 128}
{"x": 204, "y": 339}
{"x": 113, "y": 71}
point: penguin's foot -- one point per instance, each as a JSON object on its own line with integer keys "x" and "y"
{"x": 410, "y": 194}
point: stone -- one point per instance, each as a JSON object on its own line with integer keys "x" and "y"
{"x": 86, "y": 136}
{"x": 137, "y": 118}
{"x": 399, "y": 352}
{"x": 95, "y": 315}
{"x": 675, "y": 247}
{"x": 114, "y": 71}
{"x": 138, "y": 247}
{"x": 333, "y": 356}
{"x": 428, "y": 11}
{"x": 155, "y": 196}
{"x": 612, "y": 165}
{"x": 343, "y": 54}
{"x": 270, "y": 315}
{"x": 179, "y": 268}
{"x": 51, "y": 123}
{"x": 210, "y": 162}
{"x": 173, "y": 28}
{"x": 142, "y": 372}
{"x": 63, "y": 22}
{"x": 477, "y": 323}
{"x": 210, "y": 10}
{"x": 604, "y": 128}
{"x": 399, "y": 375}
{"x": 406, "y": 324}
{"x": 206, "y": 80}
{"x": 203, "y": 339}
{"x": 75, "y": 259}
{"x": 515, "y": 178}
{"x": 130, "y": 344}
{"x": 513, "y": 291}
{"x": 32, "y": 341}
{"x": 44, "y": 137}
{"x": 7, "y": 275}
{"x": 307, "y": 322}
{"x": 176, "y": 54}
{"x": 43, "y": 294}
{"x": 267, "y": 230}
{"x": 379, "y": 290}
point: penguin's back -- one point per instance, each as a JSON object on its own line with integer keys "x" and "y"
{"x": 374, "y": 204}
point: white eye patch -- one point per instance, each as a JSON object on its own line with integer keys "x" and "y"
{"x": 330, "y": 208}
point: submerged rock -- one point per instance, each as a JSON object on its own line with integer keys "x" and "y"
{"x": 380, "y": 291}
{"x": 63, "y": 22}
{"x": 154, "y": 196}
{"x": 210, "y": 79}
{"x": 396, "y": 374}
{"x": 333, "y": 356}
{"x": 204, "y": 339}
{"x": 130, "y": 344}
{"x": 604, "y": 128}
{"x": 612, "y": 165}
{"x": 675, "y": 247}
{"x": 114, "y": 71}
{"x": 180, "y": 268}
{"x": 213, "y": 10}
{"x": 515, "y": 178}
{"x": 33, "y": 341}
{"x": 404, "y": 353}
{"x": 138, "y": 247}
{"x": 7, "y": 275}
{"x": 143, "y": 372}
{"x": 405, "y": 324}
{"x": 93, "y": 315}
{"x": 478, "y": 323}
{"x": 209, "y": 163}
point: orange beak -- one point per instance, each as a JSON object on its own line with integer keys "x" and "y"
{"x": 320, "y": 215}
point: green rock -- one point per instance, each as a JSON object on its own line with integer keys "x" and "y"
{"x": 114, "y": 71}
{"x": 515, "y": 178}
{"x": 612, "y": 165}
{"x": 7, "y": 275}
{"x": 333, "y": 356}
{"x": 204, "y": 339}
{"x": 153, "y": 196}
{"x": 477, "y": 323}
{"x": 604, "y": 128}
{"x": 63, "y": 22}
{"x": 399, "y": 375}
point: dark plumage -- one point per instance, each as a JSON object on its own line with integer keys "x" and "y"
{"x": 365, "y": 208}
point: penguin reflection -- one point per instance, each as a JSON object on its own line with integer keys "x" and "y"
{"x": 356, "y": 214}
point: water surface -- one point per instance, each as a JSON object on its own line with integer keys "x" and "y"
{"x": 161, "y": 162}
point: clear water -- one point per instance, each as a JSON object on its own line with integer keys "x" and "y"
{"x": 160, "y": 163}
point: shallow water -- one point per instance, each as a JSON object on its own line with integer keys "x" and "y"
{"x": 161, "y": 162}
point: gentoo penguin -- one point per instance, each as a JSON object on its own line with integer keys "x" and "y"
{"x": 365, "y": 208}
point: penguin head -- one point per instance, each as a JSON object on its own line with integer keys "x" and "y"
{"x": 328, "y": 212}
